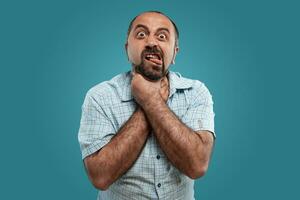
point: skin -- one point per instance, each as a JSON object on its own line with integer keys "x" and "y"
{"x": 105, "y": 166}
{"x": 186, "y": 149}
{"x": 152, "y": 30}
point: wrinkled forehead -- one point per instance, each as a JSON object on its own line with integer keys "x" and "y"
{"x": 153, "y": 21}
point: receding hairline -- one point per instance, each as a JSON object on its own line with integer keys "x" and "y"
{"x": 157, "y": 12}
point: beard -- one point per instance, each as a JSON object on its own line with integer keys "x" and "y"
{"x": 150, "y": 71}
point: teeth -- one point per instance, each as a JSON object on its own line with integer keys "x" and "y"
{"x": 152, "y": 56}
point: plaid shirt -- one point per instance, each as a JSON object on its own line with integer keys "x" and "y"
{"x": 108, "y": 105}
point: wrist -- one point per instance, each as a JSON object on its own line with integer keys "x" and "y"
{"x": 153, "y": 102}
{"x": 140, "y": 113}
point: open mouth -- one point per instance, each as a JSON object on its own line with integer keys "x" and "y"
{"x": 154, "y": 58}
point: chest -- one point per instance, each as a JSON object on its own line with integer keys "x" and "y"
{"x": 120, "y": 112}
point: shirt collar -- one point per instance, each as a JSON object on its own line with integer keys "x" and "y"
{"x": 176, "y": 82}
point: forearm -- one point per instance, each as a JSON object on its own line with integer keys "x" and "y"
{"x": 182, "y": 146}
{"x": 115, "y": 158}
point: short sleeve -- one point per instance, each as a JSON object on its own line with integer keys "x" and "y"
{"x": 96, "y": 130}
{"x": 200, "y": 114}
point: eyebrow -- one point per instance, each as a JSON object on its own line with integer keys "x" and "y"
{"x": 147, "y": 29}
{"x": 163, "y": 29}
{"x": 141, "y": 26}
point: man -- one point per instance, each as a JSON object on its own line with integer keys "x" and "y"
{"x": 148, "y": 133}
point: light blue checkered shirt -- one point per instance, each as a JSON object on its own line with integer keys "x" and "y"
{"x": 108, "y": 105}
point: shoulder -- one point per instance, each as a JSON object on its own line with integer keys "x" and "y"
{"x": 200, "y": 88}
{"x": 108, "y": 90}
{"x": 195, "y": 89}
{"x": 194, "y": 85}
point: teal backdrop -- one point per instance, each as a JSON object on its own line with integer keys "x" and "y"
{"x": 246, "y": 52}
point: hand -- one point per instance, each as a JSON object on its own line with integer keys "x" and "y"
{"x": 164, "y": 89}
{"x": 145, "y": 91}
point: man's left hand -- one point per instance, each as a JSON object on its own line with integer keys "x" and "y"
{"x": 145, "y": 91}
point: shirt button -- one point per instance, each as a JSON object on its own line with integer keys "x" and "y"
{"x": 158, "y": 185}
{"x": 158, "y": 157}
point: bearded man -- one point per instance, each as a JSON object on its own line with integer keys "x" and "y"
{"x": 147, "y": 133}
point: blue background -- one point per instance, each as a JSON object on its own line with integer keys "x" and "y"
{"x": 246, "y": 52}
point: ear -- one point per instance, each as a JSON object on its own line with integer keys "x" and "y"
{"x": 176, "y": 50}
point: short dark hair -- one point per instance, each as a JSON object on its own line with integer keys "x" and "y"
{"x": 154, "y": 11}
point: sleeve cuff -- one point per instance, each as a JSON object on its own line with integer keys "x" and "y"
{"x": 95, "y": 146}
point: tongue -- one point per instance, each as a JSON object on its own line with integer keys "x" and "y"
{"x": 156, "y": 61}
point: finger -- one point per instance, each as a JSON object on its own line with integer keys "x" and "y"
{"x": 139, "y": 76}
{"x": 136, "y": 75}
{"x": 133, "y": 73}
{"x": 164, "y": 81}
{"x": 164, "y": 84}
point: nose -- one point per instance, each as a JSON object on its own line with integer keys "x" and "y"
{"x": 151, "y": 41}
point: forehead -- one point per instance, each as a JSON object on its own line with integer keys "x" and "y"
{"x": 153, "y": 21}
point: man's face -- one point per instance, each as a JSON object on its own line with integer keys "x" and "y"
{"x": 151, "y": 45}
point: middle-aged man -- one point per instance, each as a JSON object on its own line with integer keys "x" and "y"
{"x": 147, "y": 133}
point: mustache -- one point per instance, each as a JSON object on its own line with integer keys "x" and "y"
{"x": 141, "y": 69}
{"x": 152, "y": 50}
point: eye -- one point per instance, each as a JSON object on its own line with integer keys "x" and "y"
{"x": 162, "y": 36}
{"x": 141, "y": 34}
